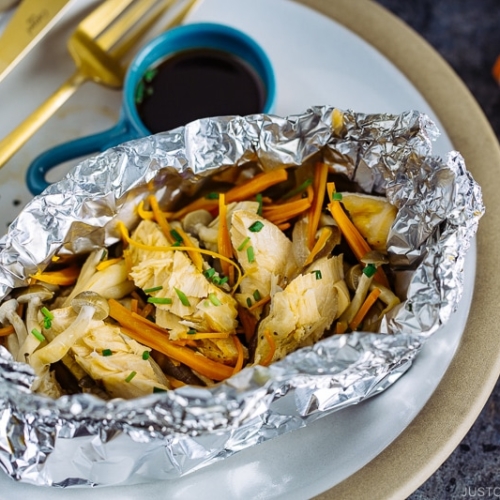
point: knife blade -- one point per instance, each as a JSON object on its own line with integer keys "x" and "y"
{"x": 30, "y": 22}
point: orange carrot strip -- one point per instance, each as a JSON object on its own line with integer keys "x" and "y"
{"x": 319, "y": 185}
{"x": 249, "y": 189}
{"x": 134, "y": 305}
{"x": 279, "y": 214}
{"x": 107, "y": 263}
{"x": 340, "y": 327}
{"x": 272, "y": 347}
{"x": 6, "y": 330}
{"x": 206, "y": 335}
{"x": 284, "y": 226}
{"x": 224, "y": 246}
{"x": 356, "y": 242}
{"x": 139, "y": 330}
{"x": 325, "y": 233}
{"x": 259, "y": 303}
{"x": 363, "y": 310}
{"x": 146, "y": 310}
{"x": 64, "y": 277}
{"x": 160, "y": 218}
{"x": 239, "y": 363}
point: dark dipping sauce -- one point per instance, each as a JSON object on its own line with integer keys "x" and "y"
{"x": 198, "y": 83}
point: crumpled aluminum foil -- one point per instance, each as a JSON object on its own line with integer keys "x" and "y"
{"x": 81, "y": 440}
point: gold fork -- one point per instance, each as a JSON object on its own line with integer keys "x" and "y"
{"x": 97, "y": 46}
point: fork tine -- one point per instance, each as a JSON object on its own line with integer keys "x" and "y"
{"x": 132, "y": 38}
{"x": 130, "y": 18}
{"x": 99, "y": 19}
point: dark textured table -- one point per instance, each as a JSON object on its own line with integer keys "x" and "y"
{"x": 467, "y": 35}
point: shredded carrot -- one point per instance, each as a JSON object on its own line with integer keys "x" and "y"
{"x": 284, "y": 226}
{"x": 325, "y": 233}
{"x": 160, "y": 218}
{"x": 278, "y": 214}
{"x": 206, "y": 335}
{"x": 340, "y": 327}
{"x": 356, "y": 242}
{"x": 139, "y": 329}
{"x": 239, "y": 363}
{"x": 6, "y": 330}
{"x": 107, "y": 263}
{"x": 139, "y": 299}
{"x": 272, "y": 349}
{"x": 224, "y": 239}
{"x": 175, "y": 383}
{"x": 195, "y": 256}
{"x": 259, "y": 303}
{"x": 254, "y": 186}
{"x": 143, "y": 213}
{"x": 134, "y": 305}
{"x": 363, "y": 310}
{"x": 319, "y": 187}
{"x": 64, "y": 277}
{"x": 146, "y": 310}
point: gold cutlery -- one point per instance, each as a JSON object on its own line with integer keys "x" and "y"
{"x": 98, "y": 46}
{"x": 31, "y": 20}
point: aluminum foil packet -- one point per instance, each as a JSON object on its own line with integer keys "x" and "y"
{"x": 82, "y": 440}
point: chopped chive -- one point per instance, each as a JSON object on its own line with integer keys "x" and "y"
{"x": 145, "y": 355}
{"x": 131, "y": 376}
{"x": 243, "y": 244}
{"x": 250, "y": 254}
{"x": 139, "y": 93}
{"x": 256, "y": 226}
{"x": 256, "y": 295}
{"x": 370, "y": 270}
{"x": 249, "y": 302}
{"x": 182, "y": 297}
{"x": 223, "y": 280}
{"x": 216, "y": 280}
{"x": 176, "y": 244}
{"x": 37, "y": 334}
{"x": 46, "y": 313}
{"x": 158, "y": 389}
{"x": 176, "y": 236}
{"x": 209, "y": 272}
{"x": 153, "y": 289}
{"x": 212, "y": 196}
{"x": 107, "y": 352}
{"x": 159, "y": 300}
{"x": 150, "y": 74}
{"x": 191, "y": 331}
{"x": 298, "y": 189}
{"x": 318, "y": 274}
{"x": 258, "y": 197}
{"x": 47, "y": 323}
{"x": 337, "y": 197}
{"x": 104, "y": 255}
{"x": 213, "y": 298}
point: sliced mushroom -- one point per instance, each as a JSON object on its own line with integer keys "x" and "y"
{"x": 8, "y": 314}
{"x": 196, "y": 219}
{"x": 34, "y": 297}
{"x": 89, "y": 305}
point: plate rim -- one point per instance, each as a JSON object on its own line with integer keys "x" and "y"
{"x": 471, "y": 377}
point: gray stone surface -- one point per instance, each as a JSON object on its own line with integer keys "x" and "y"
{"x": 467, "y": 35}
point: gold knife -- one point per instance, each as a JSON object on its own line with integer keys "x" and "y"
{"x": 29, "y": 23}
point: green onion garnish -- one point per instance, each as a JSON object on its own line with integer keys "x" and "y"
{"x": 191, "y": 331}
{"x": 298, "y": 189}
{"x": 243, "y": 244}
{"x": 131, "y": 376}
{"x": 37, "y": 334}
{"x": 212, "y": 196}
{"x": 337, "y": 197}
{"x": 46, "y": 313}
{"x": 256, "y": 295}
{"x": 159, "y": 300}
{"x": 104, "y": 255}
{"x": 153, "y": 289}
{"x": 176, "y": 236}
{"x": 176, "y": 244}
{"x": 223, "y": 280}
{"x": 150, "y": 74}
{"x": 213, "y": 298}
{"x": 258, "y": 197}
{"x": 182, "y": 297}
{"x": 250, "y": 254}
{"x": 47, "y": 323}
{"x": 145, "y": 355}
{"x": 107, "y": 352}
{"x": 256, "y": 226}
{"x": 216, "y": 280}
{"x": 158, "y": 389}
{"x": 249, "y": 302}
{"x": 139, "y": 93}
{"x": 209, "y": 272}
{"x": 370, "y": 270}
{"x": 318, "y": 274}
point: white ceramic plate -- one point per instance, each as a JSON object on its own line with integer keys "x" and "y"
{"x": 317, "y": 61}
